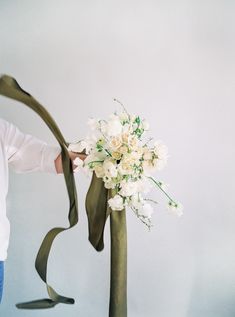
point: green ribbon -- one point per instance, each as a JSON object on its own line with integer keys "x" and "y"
{"x": 97, "y": 212}
{"x": 10, "y": 88}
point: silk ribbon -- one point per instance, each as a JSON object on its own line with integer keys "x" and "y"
{"x": 97, "y": 212}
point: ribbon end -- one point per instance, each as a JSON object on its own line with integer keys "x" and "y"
{"x": 37, "y": 304}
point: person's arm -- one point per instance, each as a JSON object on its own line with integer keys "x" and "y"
{"x": 27, "y": 153}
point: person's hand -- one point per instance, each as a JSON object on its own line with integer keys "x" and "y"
{"x": 82, "y": 156}
{"x": 76, "y": 158}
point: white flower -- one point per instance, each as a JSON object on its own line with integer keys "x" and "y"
{"x": 145, "y": 124}
{"x": 136, "y": 201}
{"x": 116, "y": 203}
{"x": 110, "y": 169}
{"x": 113, "y": 127}
{"x": 123, "y": 149}
{"x": 146, "y": 210}
{"x": 116, "y": 155}
{"x": 126, "y": 165}
{"x": 108, "y": 183}
{"x": 128, "y": 188}
{"x": 78, "y": 146}
{"x": 175, "y": 208}
{"x": 79, "y": 164}
{"x": 91, "y": 141}
{"x": 161, "y": 150}
{"x": 115, "y": 143}
{"x": 125, "y": 137}
{"x": 133, "y": 142}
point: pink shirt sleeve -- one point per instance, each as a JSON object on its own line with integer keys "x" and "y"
{"x": 27, "y": 153}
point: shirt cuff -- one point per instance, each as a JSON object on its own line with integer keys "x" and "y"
{"x": 50, "y": 153}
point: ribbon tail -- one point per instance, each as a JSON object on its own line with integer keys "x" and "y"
{"x": 97, "y": 212}
{"x": 11, "y": 89}
{"x": 37, "y": 304}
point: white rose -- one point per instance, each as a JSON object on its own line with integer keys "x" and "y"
{"x": 125, "y": 167}
{"x": 133, "y": 158}
{"x": 133, "y": 142}
{"x": 116, "y": 203}
{"x": 123, "y": 149}
{"x": 115, "y": 143}
{"x": 116, "y": 155}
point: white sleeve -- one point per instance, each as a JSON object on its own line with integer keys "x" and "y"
{"x": 27, "y": 153}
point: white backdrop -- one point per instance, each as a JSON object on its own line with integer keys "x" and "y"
{"x": 171, "y": 62}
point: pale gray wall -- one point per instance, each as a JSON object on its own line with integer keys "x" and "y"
{"x": 171, "y": 62}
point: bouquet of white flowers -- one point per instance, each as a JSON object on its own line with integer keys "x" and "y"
{"x": 117, "y": 153}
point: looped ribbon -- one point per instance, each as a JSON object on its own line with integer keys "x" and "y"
{"x": 97, "y": 212}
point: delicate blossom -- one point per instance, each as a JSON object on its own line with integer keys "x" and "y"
{"x": 116, "y": 203}
{"x": 79, "y": 164}
{"x": 78, "y": 146}
{"x": 175, "y": 208}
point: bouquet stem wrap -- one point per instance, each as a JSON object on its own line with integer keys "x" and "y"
{"x": 118, "y": 285}
{"x": 98, "y": 211}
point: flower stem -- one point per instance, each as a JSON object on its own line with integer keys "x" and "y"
{"x": 95, "y": 162}
{"x": 118, "y": 101}
{"x": 159, "y": 186}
